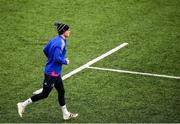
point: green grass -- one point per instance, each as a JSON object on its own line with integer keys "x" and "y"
{"x": 152, "y": 29}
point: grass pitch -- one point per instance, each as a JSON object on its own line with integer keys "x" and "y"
{"x": 152, "y": 29}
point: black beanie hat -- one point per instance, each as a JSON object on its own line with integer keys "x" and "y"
{"x": 61, "y": 28}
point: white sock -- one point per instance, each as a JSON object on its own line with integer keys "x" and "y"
{"x": 64, "y": 109}
{"x": 27, "y": 102}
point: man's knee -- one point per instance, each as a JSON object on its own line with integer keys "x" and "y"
{"x": 45, "y": 95}
{"x": 61, "y": 92}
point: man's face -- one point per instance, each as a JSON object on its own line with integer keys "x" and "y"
{"x": 67, "y": 33}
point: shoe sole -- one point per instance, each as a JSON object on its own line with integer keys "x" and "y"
{"x": 18, "y": 110}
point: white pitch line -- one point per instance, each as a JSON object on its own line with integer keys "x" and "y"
{"x": 134, "y": 72}
{"x": 88, "y": 64}
{"x": 94, "y": 61}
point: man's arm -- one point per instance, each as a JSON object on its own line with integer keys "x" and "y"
{"x": 58, "y": 57}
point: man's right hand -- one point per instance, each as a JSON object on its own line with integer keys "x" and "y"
{"x": 67, "y": 60}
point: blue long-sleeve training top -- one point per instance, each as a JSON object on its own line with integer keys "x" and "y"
{"x": 55, "y": 52}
